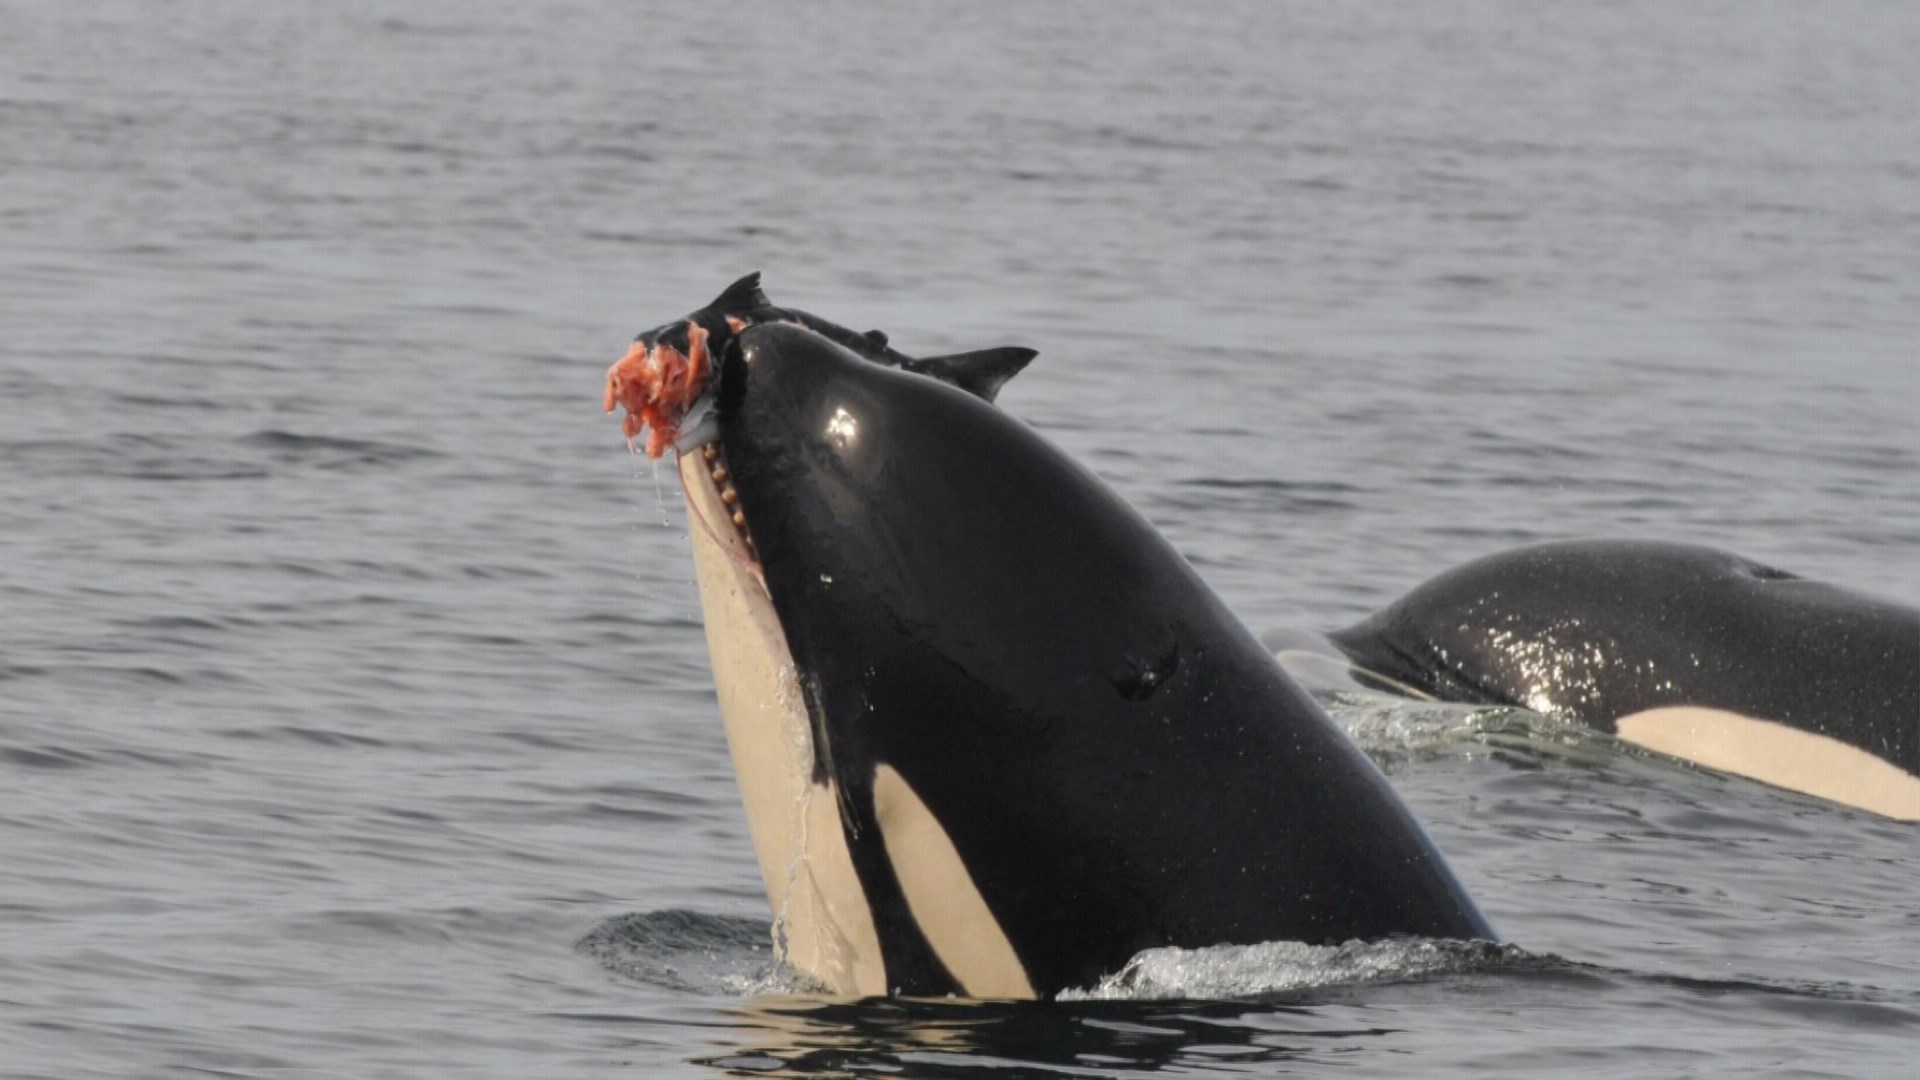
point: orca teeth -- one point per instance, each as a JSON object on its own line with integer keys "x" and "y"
{"x": 722, "y": 478}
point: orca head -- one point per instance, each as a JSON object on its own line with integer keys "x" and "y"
{"x": 666, "y": 377}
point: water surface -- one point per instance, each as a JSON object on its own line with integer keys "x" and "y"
{"x": 351, "y": 672}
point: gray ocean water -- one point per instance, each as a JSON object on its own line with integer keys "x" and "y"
{"x": 354, "y": 712}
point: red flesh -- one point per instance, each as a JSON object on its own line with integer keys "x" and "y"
{"x": 658, "y": 384}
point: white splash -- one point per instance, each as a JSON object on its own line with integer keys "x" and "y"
{"x": 1237, "y": 971}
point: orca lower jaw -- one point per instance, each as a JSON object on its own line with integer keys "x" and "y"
{"x": 713, "y": 504}
{"x": 823, "y": 926}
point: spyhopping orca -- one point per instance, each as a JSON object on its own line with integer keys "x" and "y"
{"x": 993, "y": 733}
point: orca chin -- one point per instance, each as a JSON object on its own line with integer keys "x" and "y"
{"x": 1686, "y": 650}
{"x": 993, "y": 734}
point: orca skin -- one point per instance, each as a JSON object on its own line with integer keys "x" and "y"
{"x": 1116, "y": 761}
{"x": 1602, "y": 631}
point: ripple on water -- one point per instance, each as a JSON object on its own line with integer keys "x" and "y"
{"x": 684, "y": 950}
{"x": 332, "y": 452}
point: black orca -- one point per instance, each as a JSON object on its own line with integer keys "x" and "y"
{"x": 993, "y": 733}
{"x": 1687, "y": 650}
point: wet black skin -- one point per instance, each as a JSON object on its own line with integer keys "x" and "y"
{"x": 1119, "y": 763}
{"x": 1594, "y": 630}
{"x": 981, "y": 373}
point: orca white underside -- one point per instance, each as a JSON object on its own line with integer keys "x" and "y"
{"x": 823, "y": 924}
{"x": 823, "y": 927}
{"x": 1776, "y": 754}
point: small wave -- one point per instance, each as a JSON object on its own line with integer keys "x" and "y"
{"x": 296, "y": 734}
{"x": 126, "y": 456}
{"x": 332, "y": 452}
{"x": 694, "y": 952}
{"x": 45, "y": 757}
{"x": 132, "y": 401}
{"x": 1391, "y": 728}
{"x": 722, "y": 954}
{"x": 1387, "y": 725}
{"x": 1278, "y": 967}
{"x": 1256, "y": 494}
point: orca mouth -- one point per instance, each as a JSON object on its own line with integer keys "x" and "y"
{"x": 668, "y": 383}
{"x": 714, "y": 507}
{"x": 708, "y": 478}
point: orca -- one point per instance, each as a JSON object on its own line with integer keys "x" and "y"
{"x": 993, "y": 734}
{"x": 1687, "y": 650}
